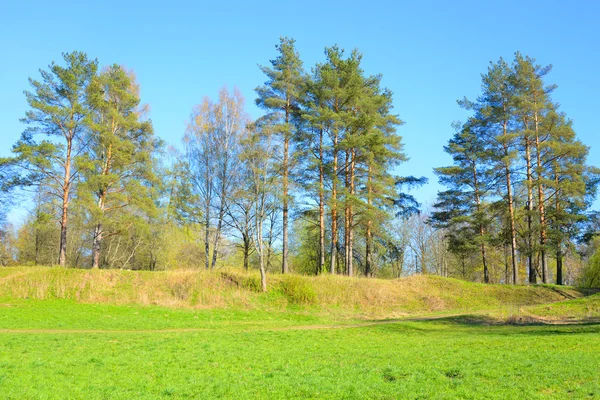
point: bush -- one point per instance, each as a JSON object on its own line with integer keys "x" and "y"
{"x": 248, "y": 282}
{"x": 297, "y": 290}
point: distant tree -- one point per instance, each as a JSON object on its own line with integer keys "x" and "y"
{"x": 591, "y": 272}
{"x": 9, "y": 180}
{"x": 240, "y": 210}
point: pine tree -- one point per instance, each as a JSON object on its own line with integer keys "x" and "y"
{"x": 280, "y": 96}
{"x": 118, "y": 166}
{"x": 566, "y": 161}
{"x": 58, "y": 111}
{"x": 533, "y": 104}
{"x": 314, "y": 149}
{"x": 462, "y": 208}
{"x": 383, "y": 150}
{"x": 494, "y": 116}
{"x": 342, "y": 80}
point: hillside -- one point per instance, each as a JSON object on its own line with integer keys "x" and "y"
{"x": 375, "y": 298}
{"x": 577, "y": 310}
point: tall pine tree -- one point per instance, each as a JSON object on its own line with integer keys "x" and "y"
{"x": 280, "y": 96}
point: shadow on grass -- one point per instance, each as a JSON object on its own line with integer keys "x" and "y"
{"x": 519, "y": 320}
{"x": 485, "y": 325}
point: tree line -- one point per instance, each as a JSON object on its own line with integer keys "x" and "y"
{"x": 311, "y": 186}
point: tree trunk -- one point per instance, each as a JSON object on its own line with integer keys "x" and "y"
{"x": 541, "y": 206}
{"x": 37, "y": 241}
{"x": 369, "y": 235}
{"x": 559, "y": 259}
{"x": 246, "y": 251}
{"x": 206, "y": 242}
{"x": 334, "y": 231}
{"x": 531, "y": 268}
{"x": 486, "y": 273}
{"x": 513, "y": 229}
{"x": 346, "y": 211}
{"x": 217, "y": 240}
{"x": 559, "y": 265}
{"x": 207, "y": 204}
{"x": 98, "y": 232}
{"x": 286, "y": 146}
{"x": 506, "y": 268}
{"x": 351, "y": 216}
{"x": 269, "y": 253}
{"x": 263, "y": 273}
{"x": 511, "y": 212}
{"x": 62, "y": 252}
{"x": 346, "y": 218}
{"x": 96, "y": 246}
{"x": 321, "y": 206}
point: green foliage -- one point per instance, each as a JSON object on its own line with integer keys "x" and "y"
{"x": 297, "y": 290}
{"x": 519, "y": 176}
{"x": 118, "y": 168}
{"x": 58, "y": 112}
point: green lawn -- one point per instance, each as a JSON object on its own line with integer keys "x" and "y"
{"x": 259, "y": 354}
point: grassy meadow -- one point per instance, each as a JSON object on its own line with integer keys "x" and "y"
{"x": 121, "y": 335}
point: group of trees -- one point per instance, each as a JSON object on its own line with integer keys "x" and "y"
{"x": 519, "y": 180}
{"x": 86, "y": 139}
{"x": 311, "y": 186}
{"x": 323, "y": 154}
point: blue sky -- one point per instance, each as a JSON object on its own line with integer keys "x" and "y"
{"x": 430, "y": 54}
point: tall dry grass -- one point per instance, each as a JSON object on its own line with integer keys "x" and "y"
{"x": 235, "y": 289}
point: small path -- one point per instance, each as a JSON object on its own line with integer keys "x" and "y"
{"x": 257, "y": 329}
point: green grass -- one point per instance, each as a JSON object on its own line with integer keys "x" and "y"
{"x": 121, "y": 335}
{"x": 586, "y": 309}
{"x": 123, "y": 354}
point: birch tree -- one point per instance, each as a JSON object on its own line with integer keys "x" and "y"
{"x": 258, "y": 155}
{"x": 212, "y": 146}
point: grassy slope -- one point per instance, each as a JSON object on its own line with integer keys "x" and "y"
{"x": 342, "y": 296}
{"x": 583, "y": 309}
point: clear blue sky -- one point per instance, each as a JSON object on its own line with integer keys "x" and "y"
{"x": 430, "y": 54}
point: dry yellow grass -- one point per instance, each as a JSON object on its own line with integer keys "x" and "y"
{"x": 235, "y": 289}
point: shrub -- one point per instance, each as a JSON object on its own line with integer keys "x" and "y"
{"x": 297, "y": 290}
